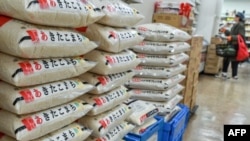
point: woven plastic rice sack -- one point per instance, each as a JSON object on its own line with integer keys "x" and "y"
{"x": 31, "y": 41}
{"x": 105, "y": 83}
{"x": 142, "y": 111}
{"x": 37, "y": 98}
{"x": 107, "y": 101}
{"x": 168, "y": 106}
{"x": 101, "y": 124}
{"x": 141, "y": 129}
{"x": 115, "y": 134}
{"x": 113, "y": 39}
{"x": 154, "y": 84}
{"x": 72, "y": 132}
{"x": 171, "y": 114}
{"x": 162, "y": 60}
{"x": 41, "y": 123}
{"x": 21, "y": 72}
{"x": 109, "y": 63}
{"x": 158, "y": 72}
{"x": 118, "y": 13}
{"x": 62, "y": 13}
{"x": 160, "y": 32}
{"x": 153, "y": 95}
{"x": 149, "y": 47}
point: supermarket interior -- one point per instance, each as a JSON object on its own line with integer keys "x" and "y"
{"x": 124, "y": 70}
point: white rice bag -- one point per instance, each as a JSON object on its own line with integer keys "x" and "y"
{"x": 107, "y": 101}
{"x": 169, "y": 115}
{"x": 141, "y": 129}
{"x": 22, "y": 72}
{"x": 3, "y": 137}
{"x": 110, "y": 63}
{"x": 72, "y": 132}
{"x": 162, "y": 60}
{"x": 142, "y": 111}
{"x": 153, "y": 95}
{"x": 61, "y": 13}
{"x": 105, "y": 83}
{"x": 115, "y": 134}
{"x": 118, "y": 13}
{"x": 148, "y": 47}
{"x": 101, "y": 124}
{"x": 32, "y": 41}
{"x": 113, "y": 39}
{"x": 133, "y": 1}
{"x": 167, "y": 106}
{"x": 38, "y": 124}
{"x": 160, "y": 32}
{"x": 158, "y": 72}
{"x": 154, "y": 84}
{"x": 23, "y": 100}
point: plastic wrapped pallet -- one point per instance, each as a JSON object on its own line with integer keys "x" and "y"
{"x": 66, "y": 13}
{"x": 160, "y": 32}
{"x": 22, "y": 72}
{"x": 115, "y": 134}
{"x": 148, "y": 47}
{"x": 113, "y": 39}
{"x": 32, "y": 99}
{"x": 110, "y": 63}
{"x": 106, "y": 101}
{"x": 158, "y": 72}
{"x": 154, "y": 84}
{"x": 168, "y": 106}
{"x": 105, "y": 83}
{"x": 118, "y": 13}
{"x": 142, "y": 111}
{"x": 33, "y": 41}
{"x": 154, "y": 95}
{"x": 38, "y": 124}
{"x": 101, "y": 124}
{"x": 162, "y": 60}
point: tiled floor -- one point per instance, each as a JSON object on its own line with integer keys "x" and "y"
{"x": 220, "y": 102}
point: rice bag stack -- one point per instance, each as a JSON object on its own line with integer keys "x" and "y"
{"x": 158, "y": 78}
{"x": 115, "y": 63}
{"x": 41, "y": 57}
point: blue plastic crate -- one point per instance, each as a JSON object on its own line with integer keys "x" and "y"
{"x": 153, "y": 129}
{"x": 175, "y": 128}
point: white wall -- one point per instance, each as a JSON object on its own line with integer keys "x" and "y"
{"x": 238, "y": 5}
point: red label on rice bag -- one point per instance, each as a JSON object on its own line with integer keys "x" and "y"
{"x": 29, "y": 123}
{"x": 1, "y": 135}
{"x": 102, "y": 80}
{"x": 4, "y": 20}
{"x": 27, "y": 95}
{"x": 26, "y": 67}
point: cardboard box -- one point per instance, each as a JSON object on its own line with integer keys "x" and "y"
{"x": 211, "y": 49}
{"x": 210, "y": 69}
{"x": 173, "y": 20}
{"x": 216, "y": 40}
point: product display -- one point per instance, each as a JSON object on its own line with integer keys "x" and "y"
{"x": 160, "y": 32}
{"x": 154, "y": 95}
{"x": 105, "y": 83}
{"x": 154, "y": 84}
{"x": 106, "y": 101}
{"x": 34, "y": 41}
{"x": 110, "y": 63}
{"x": 22, "y": 72}
{"x": 113, "y": 39}
{"x": 118, "y": 13}
{"x": 32, "y": 99}
{"x": 67, "y": 13}
{"x": 41, "y": 123}
{"x": 116, "y": 133}
{"x": 158, "y": 72}
{"x": 101, "y": 124}
{"x": 149, "y": 47}
{"x": 142, "y": 111}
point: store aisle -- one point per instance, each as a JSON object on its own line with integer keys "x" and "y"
{"x": 220, "y": 102}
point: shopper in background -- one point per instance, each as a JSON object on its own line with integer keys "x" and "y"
{"x": 231, "y": 36}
